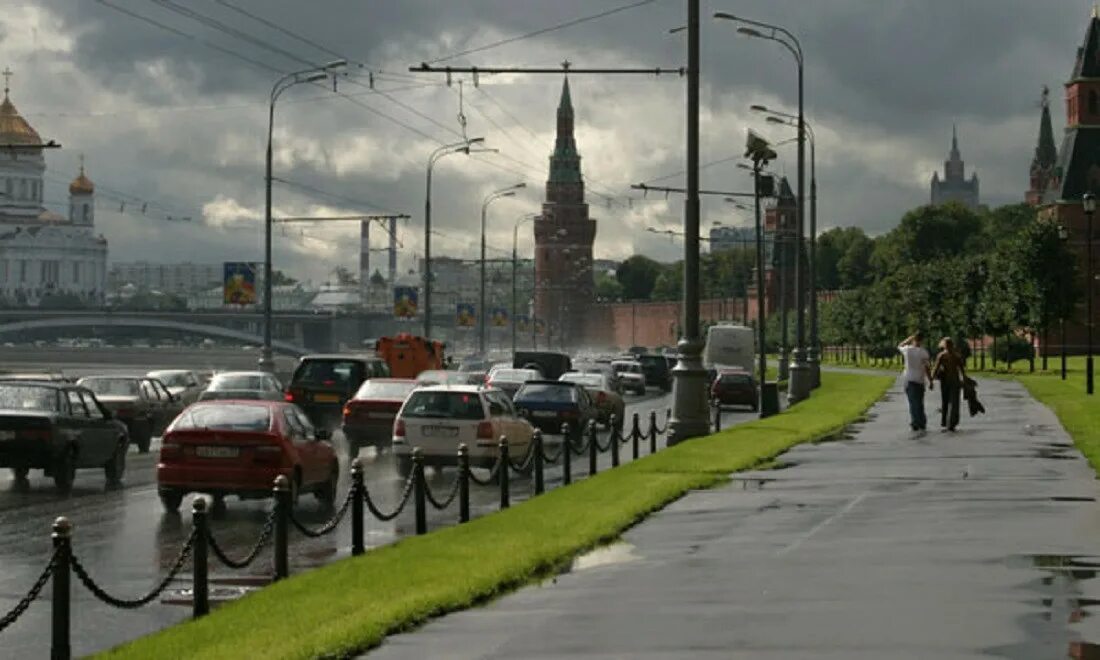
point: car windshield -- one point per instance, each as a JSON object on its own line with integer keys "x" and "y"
{"x": 443, "y": 405}
{"x": 547, "y": 392}
{"x": 328, "y": 372}
{"x": 373, "y": 389}
{"x": 111, "y": 386}
{"x": 627, "y": 367}
{"x": 513, "y": 375}
{"x": 224, "y": 417}
{"x": 440, "y": 377}
{"x": 28, "y": 397}
{"x": 587, "y": 380}
{"x": 653, "y": 361}
{"x": 171, "y": 378}
{"x": 736, "y": 379}
{"x": 237, "y": 382}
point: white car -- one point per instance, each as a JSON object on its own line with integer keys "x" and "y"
{"x": 243, "y": 385}
{"x": 183, "y": 383}
{"x": 438, "y": 419}
{"x": 631, "y": 374}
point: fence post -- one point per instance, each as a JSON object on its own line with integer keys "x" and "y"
{"x": 502, "y": 472}
{"x": 539, "y": 480}
{"x": 60, "y": 648}
{"x": 419, "y": 502}
{"x": 614, "y": 443}
{"x": 200, "y": 588}
{"x": 282, "y": 526}
{"x": 357, "y": 544}
{"x": 593, "y": 448}
{"x": 653, "y": 431}
{"x": 463, "y": 483}
{"x": 635, "y": 435}
{"x": 566, "y": 455}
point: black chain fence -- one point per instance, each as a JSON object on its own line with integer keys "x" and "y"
{"x": 237, "y": 564}
{"x": 131, "y": 604}
{"x": 405, "y": 495}
{"x": 32, "y": 594}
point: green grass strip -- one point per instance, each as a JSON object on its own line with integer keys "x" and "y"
{"x": 1078, "y": 412}
{"x": 351, "y": 605}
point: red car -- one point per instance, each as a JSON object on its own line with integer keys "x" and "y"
{"x": 239, "y": 448}
{"x": 733, "y": 387}
{"x": 369, "y": 415}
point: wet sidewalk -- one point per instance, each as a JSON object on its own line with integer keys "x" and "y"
{"x": 886, "y": 544}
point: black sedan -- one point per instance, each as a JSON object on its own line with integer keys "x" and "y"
{"x": 58, "y": 428}
{"x": 548, "y": 404}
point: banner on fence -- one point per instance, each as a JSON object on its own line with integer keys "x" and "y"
{"x": 499, "y": 317}
{"x": 239, "y": 283}
{"x": 465, "y": 315}
{"x": 406, "y": 300}
{"x": 523, "y": 323}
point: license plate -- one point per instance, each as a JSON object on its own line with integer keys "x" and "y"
{"x": 544, "y": 413}
{"x": 7, "y": 435}
{"x": 326, "y": 398}
{"x": 217, "y": 452}
{"x": 439, "y": 431}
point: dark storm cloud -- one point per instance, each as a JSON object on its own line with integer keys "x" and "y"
{"x": 885, "y": 82}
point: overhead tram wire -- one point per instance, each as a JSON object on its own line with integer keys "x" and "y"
{"x": 547, "y": 30}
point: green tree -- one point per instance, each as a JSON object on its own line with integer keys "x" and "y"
{"x": 843, "y": 258}
{"x": 377, "y": 280}
{"x": 670, "y": 282}
{"x": 1006, "y": 222}
{"x": 279, "y": 278}
{"x": 344, "y": 277}
{"x": 854, "y": 267}
{"x": 638, "y": 275}
{"x": 608, "y": 287}
{"x": 928, "y": 233}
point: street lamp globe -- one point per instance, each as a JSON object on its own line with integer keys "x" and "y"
{"x": 1088, "y": 201}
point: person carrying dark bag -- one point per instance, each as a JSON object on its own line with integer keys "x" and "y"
{"x": 951, "y": 373}
{"x": 970, "y": 393}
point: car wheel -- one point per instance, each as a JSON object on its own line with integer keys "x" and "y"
{"x": 171, "y": 499}
{"x": 142, "y": 435}
{"x": 20, "y": 474}
{"x": 326, "y": 494}
{"x": 64, "y": 471}
{"x": 116, "y": 465}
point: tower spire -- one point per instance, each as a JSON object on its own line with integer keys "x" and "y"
{"x": 954, "y": 141}
{"x": 7, "y": 73}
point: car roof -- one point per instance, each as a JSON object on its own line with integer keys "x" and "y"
{"x": 113, "y": 377}
{"x": 410, "y": 381}
{"x": 463, "y": 389}
{"x": 625, "y": 361}
{"x": 52, "y": 384}
{"x": 559, "y": 383}
{"x": 241, "y": 373}
{"x": 733, "y": 370}
{"x": 266, "y": 403}
{"x": 169, "y": 371}
{"x": 340, "y": 356}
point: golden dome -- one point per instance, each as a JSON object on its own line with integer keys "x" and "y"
{"x": 81, "y": 185}
{"x": 13, "y": 128}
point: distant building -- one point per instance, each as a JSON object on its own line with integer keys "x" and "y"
{"x": 43, "y": 253}
{"x": 955, "y": 187}
{"x": 459, "y": 281}
{"x": 177, "y": 278}
{"x": 726, "y": 237}
{"x": 1045, "y": 160}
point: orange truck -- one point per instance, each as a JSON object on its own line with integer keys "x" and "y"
{"x": 409, "y": 355}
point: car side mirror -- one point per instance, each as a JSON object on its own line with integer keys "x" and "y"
{"x": 322, "y": 434}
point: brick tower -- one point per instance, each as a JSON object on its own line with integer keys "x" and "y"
{"x": 564, "y": 287}
{"x": 780, "y": 231}
{"x": 1046, "y": 155}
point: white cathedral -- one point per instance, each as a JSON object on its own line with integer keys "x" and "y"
{"x": 43, "y": 253}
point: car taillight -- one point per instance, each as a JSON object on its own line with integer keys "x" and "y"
{"x": 602, "y": 397}
{"x": 485, "y": 430}
{"x": 288, "y": 397}
{"x": 347, "y": 410}
{"x": 169, "y": 450}
{"x": 399, "y": 428}
{"x": 268, "y": 454}
{"x": 569, "y": 414}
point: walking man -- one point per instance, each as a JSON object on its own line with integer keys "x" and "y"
{"x": 917, "y": 373}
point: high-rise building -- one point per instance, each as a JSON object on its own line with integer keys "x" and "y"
{"x": 1046, "y": 155}
{"x": 564, "y": 286}
{"x": 955, "y": 187}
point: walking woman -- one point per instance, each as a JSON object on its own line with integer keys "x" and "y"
{"x": 951, "y": 373}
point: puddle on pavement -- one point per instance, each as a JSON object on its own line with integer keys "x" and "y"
{"x": 1052, "y": 453}
{"x": 1071, "y": 498}
{"x": 1084, "y": 651}
{"x": 1074, "y": 567}
{"x": 608, "y": 555}
{"x": 775, "y": 466}
{"x": 1062, "y": 606}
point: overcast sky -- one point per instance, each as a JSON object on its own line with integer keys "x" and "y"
{"x": 166, "y": 118}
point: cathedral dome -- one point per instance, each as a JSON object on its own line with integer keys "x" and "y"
{"x": 81, "y": 185}
{"x": 13, "y": 128}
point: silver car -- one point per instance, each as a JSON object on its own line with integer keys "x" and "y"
{"x": 182, "y": 383}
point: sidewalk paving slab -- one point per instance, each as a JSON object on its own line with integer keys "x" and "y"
{"x": 885, "y": 544}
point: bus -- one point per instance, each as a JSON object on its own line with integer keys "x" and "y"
{"x": 408, "y": 355}
{"x": 729, "y": 346}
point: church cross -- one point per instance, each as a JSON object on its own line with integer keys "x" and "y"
{"x": 7, "y": 73}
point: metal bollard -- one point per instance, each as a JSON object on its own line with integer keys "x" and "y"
{"x": 635, "y": 436}
{"x": 282, "y": 526}
{"x": 566, "y": 456}
{"x": 593, "y": 448}
{"x": 357, "y": 544}
{"x": 502, "y": 473}
{"x": 653, "y": 431}
{"x": 200, "y": 586}
{"x": 60, "y": 648}
{"x": 539, "y": 481}
{"x": 463, "y": 483}
{"x": 420, "y": 504}
{"x": 615, "y": 437}
{"x": 717, "y": 415}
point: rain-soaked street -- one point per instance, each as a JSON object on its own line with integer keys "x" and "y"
{"x": 128, "y": 542}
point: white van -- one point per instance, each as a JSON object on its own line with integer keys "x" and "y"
{"x": 730, "y": 346}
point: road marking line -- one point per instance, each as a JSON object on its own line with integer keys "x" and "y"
{"x": 823, "y": 524}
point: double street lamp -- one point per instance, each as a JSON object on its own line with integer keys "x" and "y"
{"x": 800, "y": 380}
{"x": 528, "y": 217}
{"x": 510, "y": 191}
{"x": 315, "y": 74}
{"x": 446, "y": 150}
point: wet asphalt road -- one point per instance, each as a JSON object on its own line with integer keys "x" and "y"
{"x": 128, "y": 542}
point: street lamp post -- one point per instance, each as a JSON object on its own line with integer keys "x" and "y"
{"x": 690, "y": 406}
{"x": 799, "y": 385}
{"x": 267, "y": 359}
{"x": 515, "y": 262}
{"x": 510, "y": 191}
{"x": 1088, "y": 201}
{"x": 445, "y": 150}
{"x": 1063, "y": 235}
